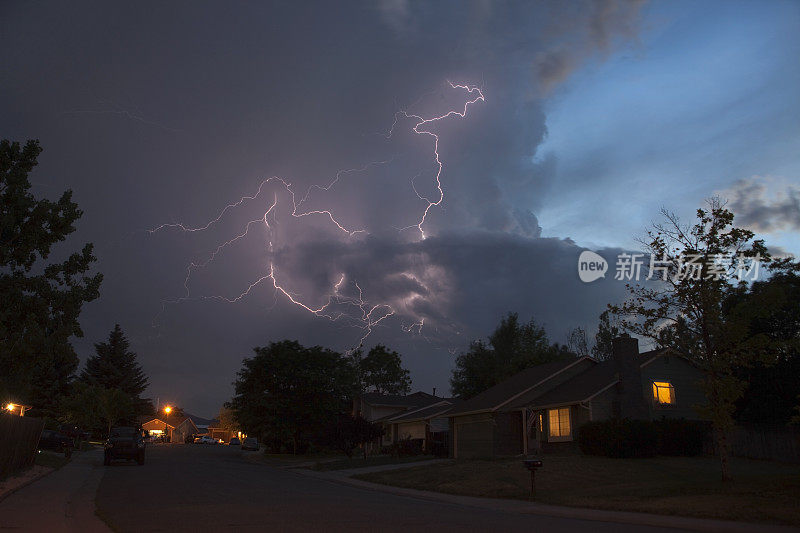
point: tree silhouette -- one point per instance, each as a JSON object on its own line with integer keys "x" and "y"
{"x": 115, "y": 367}
{"x": 41, "y": 301}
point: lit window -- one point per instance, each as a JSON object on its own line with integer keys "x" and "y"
{"x": 559, "y": 422}
{"x": 663, "y": 393}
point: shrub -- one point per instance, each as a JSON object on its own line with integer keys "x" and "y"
{"x": 681, "y": 437}
{"x": 409, "y": 447}
{"x": 619, "y": 438}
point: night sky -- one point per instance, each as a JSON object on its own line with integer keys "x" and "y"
{"x": 594, "y": 115}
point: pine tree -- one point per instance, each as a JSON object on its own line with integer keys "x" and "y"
{"x": 115, "y": 367}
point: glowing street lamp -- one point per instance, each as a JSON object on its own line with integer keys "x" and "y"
{"x": 167, "y": 411}
{"x": 11, "y": 407}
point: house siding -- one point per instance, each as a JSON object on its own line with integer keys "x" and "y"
{"x": 508, "y": 433}
{"x": 686, "y": 379}
{"x": 472, "y": 436}
{"x": 602, "y": 404}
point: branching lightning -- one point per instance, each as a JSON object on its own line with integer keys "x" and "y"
{"x": 364, "y": 314}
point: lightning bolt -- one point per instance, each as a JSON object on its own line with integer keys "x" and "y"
{"x": 420, "y": 124}
{"x": 364, "y": 315}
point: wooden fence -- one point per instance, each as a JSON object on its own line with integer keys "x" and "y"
{"x": 19, "y": 438}
{"x": 772, "y": 443}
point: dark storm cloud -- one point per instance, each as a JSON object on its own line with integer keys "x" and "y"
{"x": 755, "y": 207}
{"x": 167, "y": 113}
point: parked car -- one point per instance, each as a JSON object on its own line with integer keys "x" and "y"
{"x": 55, "y": 441}
{"x": 205, "y": 439}
{"x": 235, "y": 441}
{"x": 250, "y": 443}
{"x": 124, "y": 443}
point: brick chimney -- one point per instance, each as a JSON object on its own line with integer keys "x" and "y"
{"x": 625, "y": 357}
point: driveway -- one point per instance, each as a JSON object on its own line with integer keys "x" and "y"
{"x": 61, "y": 501}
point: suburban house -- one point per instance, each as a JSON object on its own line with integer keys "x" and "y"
{"x": 175, "y": 429}
{"x": 382, "y": 409}
{"x": 428, "y": 425}
{"x": 546, "y": 404}
{"x": 215, "y": 431}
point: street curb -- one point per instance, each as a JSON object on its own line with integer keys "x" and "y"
{"x": 578, "y": 513}
{"x": 49, "y": 470}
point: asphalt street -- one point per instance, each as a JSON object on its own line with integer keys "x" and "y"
{"x": 198, "y": 487}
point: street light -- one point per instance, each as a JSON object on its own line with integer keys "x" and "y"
{"x": 167, "y": 410}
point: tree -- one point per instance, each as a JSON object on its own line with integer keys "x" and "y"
{"x": 685, "y": 305}
{"x": 96, "y": 408}
{"x": 607, "y": 331}
{"x": 349, "y": 432}
{"x": 290, "y": 393}
{"x": 116, "y": 367}
{"x": 382, "y": 371}
{"x": 114, "y": 405}
{"x": 772, "y": 385}
{"x": 227, "y": 419}
{"x": 576, "y": 342}
{"x": 41, "y": 301}
{"x": 512, "y": 347}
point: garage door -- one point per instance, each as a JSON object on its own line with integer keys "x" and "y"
{"x": 473, "y": 439}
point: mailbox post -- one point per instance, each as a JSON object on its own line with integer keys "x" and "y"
{"x": 532, "y": 465}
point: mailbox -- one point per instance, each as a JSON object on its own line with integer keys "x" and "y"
{"x": 532, "y": 465}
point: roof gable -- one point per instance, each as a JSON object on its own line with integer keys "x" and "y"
{"x": 416, "y": 399}
{"x": 518, "y": 384}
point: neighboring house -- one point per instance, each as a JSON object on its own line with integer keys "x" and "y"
{"x": 427, "y": 424}
{"x": 381, "y": 408}
{"x": 176, "y": 430}
{"x": 547, "y": 403}
{"x": 216, "y": 432}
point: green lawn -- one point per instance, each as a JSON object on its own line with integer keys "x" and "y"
{"x": 360, "y": 462}
{"x": 762, "y": 491}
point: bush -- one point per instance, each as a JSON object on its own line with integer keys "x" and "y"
{"x": 681, "y": 437}
{"x": 619, "y": 438}
{"x": 642, "y": 438}
{"x": 408, "y": 447}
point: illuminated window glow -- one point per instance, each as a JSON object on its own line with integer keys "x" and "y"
{"x": 663, "y": 393}
{"x": 559, "y": 422}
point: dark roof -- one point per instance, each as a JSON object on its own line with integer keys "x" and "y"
{"x": 574, "y": 390}
{"x": 418, "y": 399}
{"x": 517, "y": 384}
{"x": 426, "y": 412}
{"x": 582, "y": 386}
{"x": 200, "y": 421}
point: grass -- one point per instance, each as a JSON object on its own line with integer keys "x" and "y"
{"x": 51, "y": 460}
{"x": 762, "y": 491}
{"x": 360, "y": 462}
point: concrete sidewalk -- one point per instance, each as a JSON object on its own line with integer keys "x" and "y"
{"x": 523, "y": 507}
{"x": 376, "y": 468}
{"x": 60, "y": 502}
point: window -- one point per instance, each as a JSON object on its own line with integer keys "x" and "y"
{"x": 663, "y": 393}
{"x": 559, "y": 424}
